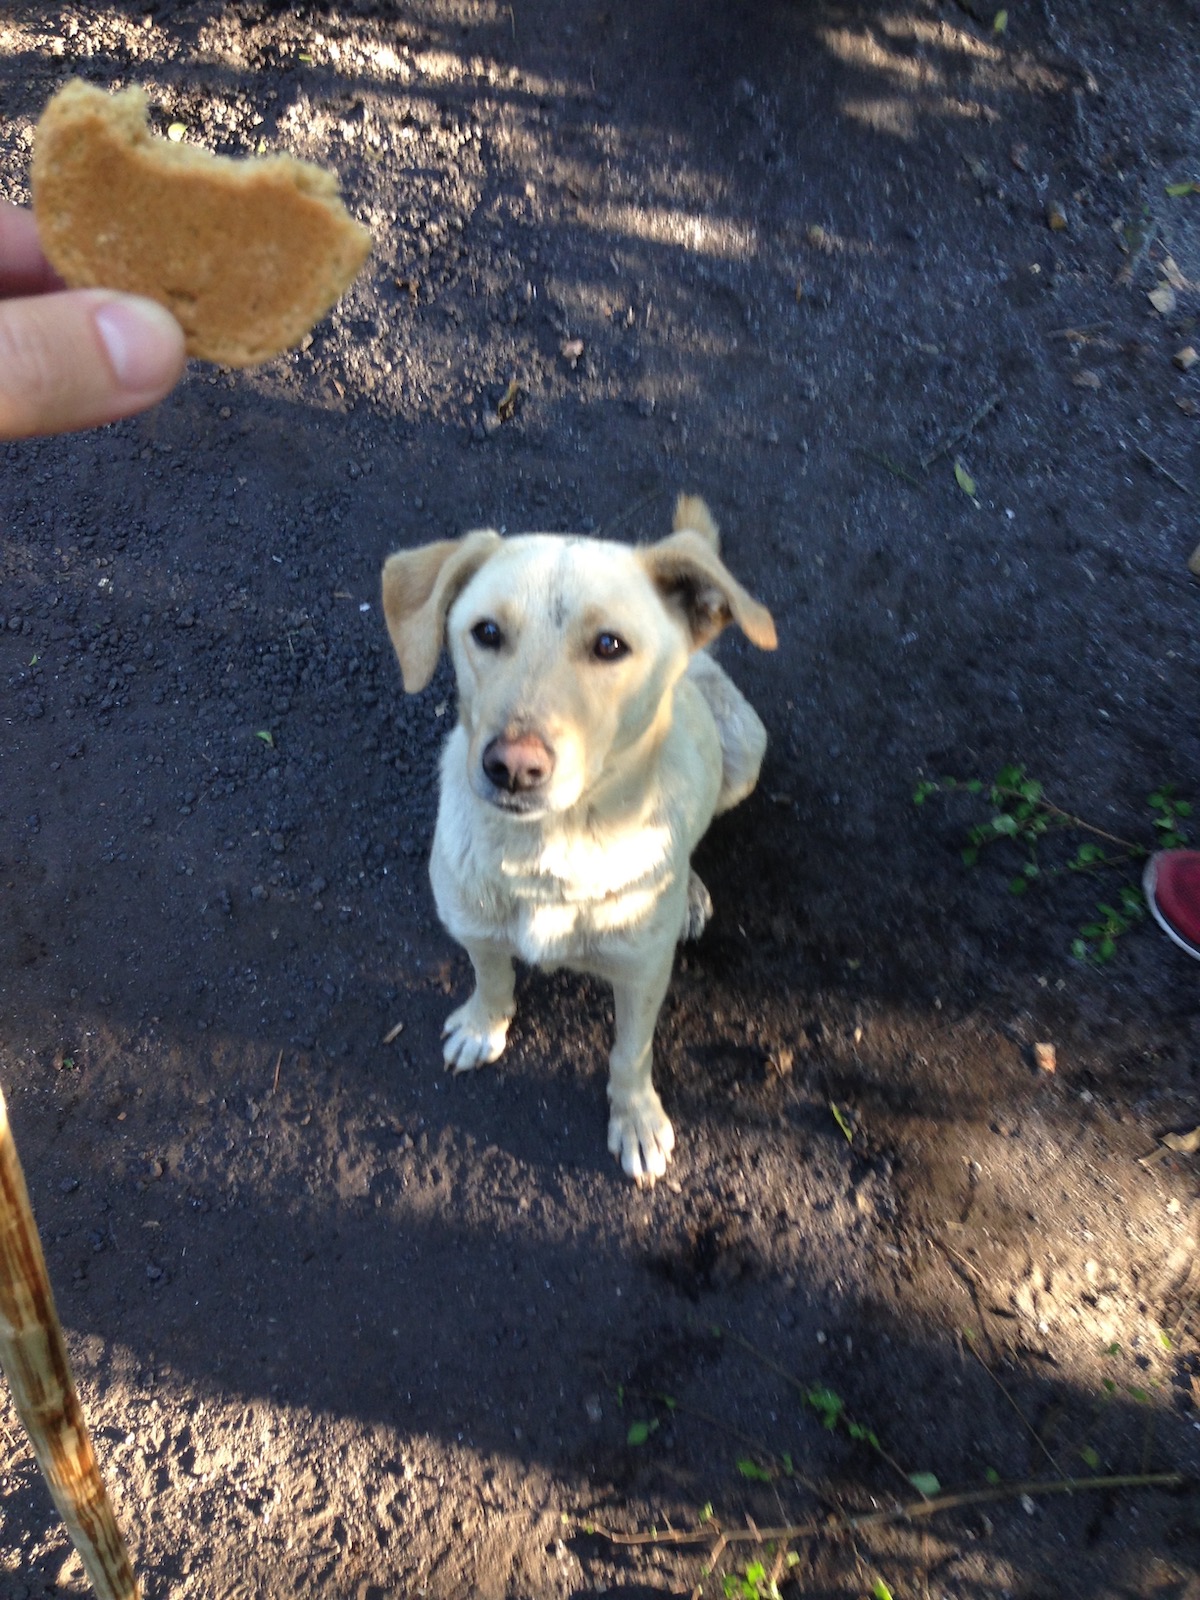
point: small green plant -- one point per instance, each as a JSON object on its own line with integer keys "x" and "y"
{"x": 639, "y": 1432}
{"x": 831, "y": 1408}
{"x": 1170, "y": 815}
{"x": 752, "y": 1583}
{"x": 1022, "y": 816}
{"x": 1097, "y": 940}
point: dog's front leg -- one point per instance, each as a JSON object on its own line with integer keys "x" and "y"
{"x": 476, "y": 1033}
{"x": 639, "y": 1131}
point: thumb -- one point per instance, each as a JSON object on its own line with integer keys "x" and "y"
{"x": 82, "y": 358}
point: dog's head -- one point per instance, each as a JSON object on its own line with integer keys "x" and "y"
{"x": 566, "y": 649}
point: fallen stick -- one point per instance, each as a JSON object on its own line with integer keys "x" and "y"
{"x": 34, "y": 1358}
{"x": 1158, "y": 467}
{"x": 889, "y": 466}
{"x": 832, "y": 1526}
{"x": 952, "y": 440}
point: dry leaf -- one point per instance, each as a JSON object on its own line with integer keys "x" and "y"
{"x": 781, "y": 1061}
{"x": 1046, "y": 1057}
{"x": 571, "y": 350}
{"x": 1184, "y": 1144}
{"x": 1163, "y": 299}
{"x": 507, "y": 404}
{"x": 1172, "y": 274}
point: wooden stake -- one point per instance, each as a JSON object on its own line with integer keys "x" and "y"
{"x": 34, "y": 1358}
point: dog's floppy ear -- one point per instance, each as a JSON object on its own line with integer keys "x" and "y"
{"x": 693, "y": 581}
{"x": 691, "y": 512}
{"x": 419, "y": 587}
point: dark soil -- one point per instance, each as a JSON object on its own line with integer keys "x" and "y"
{"x": 345, "y": 1327}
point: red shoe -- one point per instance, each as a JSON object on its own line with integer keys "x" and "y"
{"x": 1172, "y": 884}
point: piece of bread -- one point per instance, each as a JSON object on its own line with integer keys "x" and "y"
{"x": 247, "y": 254}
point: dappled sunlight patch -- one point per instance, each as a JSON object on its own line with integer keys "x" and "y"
{"x": 860, "y": 48}
{"x": 940, "y": 35}
{"x": 902, "y": 118}
{"x": 925, "y": 84}
{"x": 722, "y": 237}
{"x": 308, "y": 1500}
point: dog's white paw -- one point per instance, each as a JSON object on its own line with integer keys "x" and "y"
{"x": 640, "y": 1135}
{"x": 699, "y": 907}
{"x": 470, "y": 1038}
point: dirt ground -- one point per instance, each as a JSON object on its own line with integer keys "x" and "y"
{"x": 346, "y": 1327}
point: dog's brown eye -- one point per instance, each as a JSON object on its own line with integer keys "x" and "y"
{"x": 487, "y": 634}
{"x": 609, "y": 647}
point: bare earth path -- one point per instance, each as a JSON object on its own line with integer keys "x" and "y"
{"x": 346, "y": 1328}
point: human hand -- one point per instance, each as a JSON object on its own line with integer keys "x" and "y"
{"x": 74, "y": 358}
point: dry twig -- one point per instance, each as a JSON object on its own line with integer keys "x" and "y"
{"x": 849, "y": 1523}
{"x": 952, "y": 440}
{"x": 1158, "y": 467}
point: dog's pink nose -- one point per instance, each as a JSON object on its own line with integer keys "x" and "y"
{"x": 518, "y": 765}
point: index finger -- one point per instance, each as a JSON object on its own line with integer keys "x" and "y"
{"x": 23, "y": 267}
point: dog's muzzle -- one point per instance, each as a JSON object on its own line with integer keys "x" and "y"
{"x": 519, "y": 770}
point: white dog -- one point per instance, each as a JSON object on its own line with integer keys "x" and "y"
{"x": 596, "y": 740}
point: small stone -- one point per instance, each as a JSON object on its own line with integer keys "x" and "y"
{"x": 1056, "y": 217}
{"x": 1194, "y": 562}
{"x": 1087, "y": 379}
{"x": 593, "y": 1409}
{"x": 1186, "y": 358}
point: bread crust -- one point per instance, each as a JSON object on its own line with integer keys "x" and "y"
{"x": 246, "y": 254}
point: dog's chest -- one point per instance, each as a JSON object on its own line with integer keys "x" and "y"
{"x": 554, "y": 895}
{"x": 573, "y": 892}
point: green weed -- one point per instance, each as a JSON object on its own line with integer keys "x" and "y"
{"x": 752, "y": 1583}
{"x": 1021, "y": 817}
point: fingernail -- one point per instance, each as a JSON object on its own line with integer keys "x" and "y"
{"x": 141, "y": 339}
